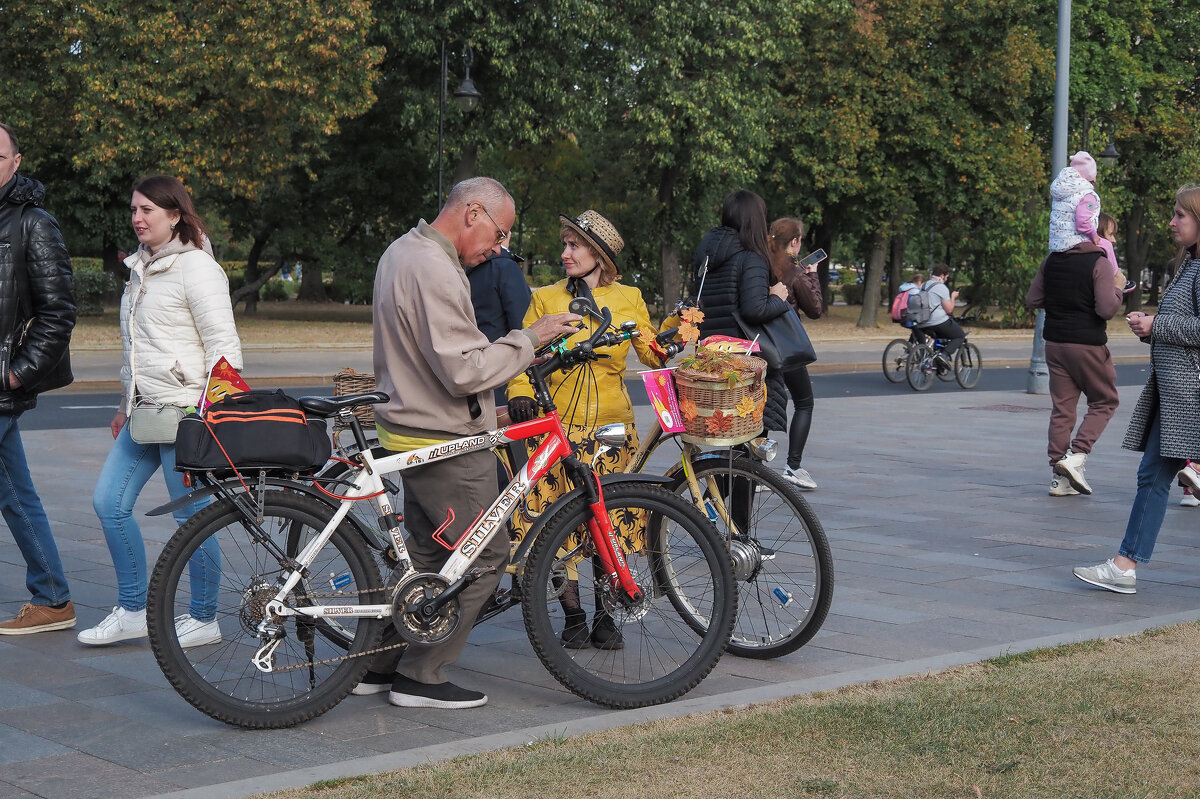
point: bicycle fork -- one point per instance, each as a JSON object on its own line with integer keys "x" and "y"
{"x": 608, "y": 549}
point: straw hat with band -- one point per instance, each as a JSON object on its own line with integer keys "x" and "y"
{"x": 599, "y": 233}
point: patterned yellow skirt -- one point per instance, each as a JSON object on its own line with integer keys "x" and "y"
{"x": 630, "y": 528}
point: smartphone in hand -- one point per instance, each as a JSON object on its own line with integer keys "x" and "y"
{"x": 813, "y": 258}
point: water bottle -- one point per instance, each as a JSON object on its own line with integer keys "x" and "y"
{"x": 783, "y": 596}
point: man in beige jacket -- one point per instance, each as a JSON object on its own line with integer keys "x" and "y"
{"x": 439, "y": 370}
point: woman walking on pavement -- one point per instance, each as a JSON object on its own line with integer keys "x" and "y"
{"x": 1166, "y": 422}
{"x": 176, "y": 323}
{"x": 804, "y": 293}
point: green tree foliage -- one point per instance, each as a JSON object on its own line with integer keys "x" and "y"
{"x": 227, "y": 96}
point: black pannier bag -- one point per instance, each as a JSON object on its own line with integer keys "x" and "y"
{"x": 258, "y": 429}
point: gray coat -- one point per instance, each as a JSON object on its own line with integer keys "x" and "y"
{"x": 1174, "y": 384}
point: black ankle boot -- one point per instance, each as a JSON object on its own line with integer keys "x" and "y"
{"x": 605, "y": 634}
{"x": 575, "y": 633}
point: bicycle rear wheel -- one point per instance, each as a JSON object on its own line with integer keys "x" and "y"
{"x": 782, "y": 563}
{"x": 919, "y": 369}
{"x": 895, "y": 355}
{"x": 214, "y": 563}
{"x": 663, "y": 656}
{"x": 968, "y": 365}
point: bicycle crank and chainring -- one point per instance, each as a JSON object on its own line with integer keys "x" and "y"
{"x": 411, "y": 623}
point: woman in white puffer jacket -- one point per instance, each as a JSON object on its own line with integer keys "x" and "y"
{"x": 176, "y": 323}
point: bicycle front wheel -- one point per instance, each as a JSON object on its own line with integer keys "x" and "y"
{"x": 968, "y": 365}
{"x": 215, "y": 569}
{"x": 782, "y": 563}
{"x": 919, "y": 369}
{"x": 895, "y": 356}
{"x": 661, "y": 656}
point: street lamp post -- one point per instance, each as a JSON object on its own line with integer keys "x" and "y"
{"x": 1039, "y": 373}
{"x": 468, "y": 98}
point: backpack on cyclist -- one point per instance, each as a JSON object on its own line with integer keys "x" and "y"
{"x": 919, "y": 308}
{"x": 900, "y": 306}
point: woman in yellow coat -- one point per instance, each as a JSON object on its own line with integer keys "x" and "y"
{"x": 588, "y": 397}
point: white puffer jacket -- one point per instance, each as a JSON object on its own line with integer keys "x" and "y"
{"x": 176, "y": 323}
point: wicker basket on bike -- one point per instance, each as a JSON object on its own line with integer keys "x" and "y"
{"x": 721, "y": 397}
{"x": 349, "y": 381}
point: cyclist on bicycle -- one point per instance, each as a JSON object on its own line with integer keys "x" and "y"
{"x": 941, "y": 323}
{"x": 439, "y": 371}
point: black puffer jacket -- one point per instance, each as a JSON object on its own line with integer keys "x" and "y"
{"x": 51, "y": 302}
{"x": 738, "y": 279}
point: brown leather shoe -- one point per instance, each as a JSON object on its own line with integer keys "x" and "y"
{"x": 39, "y": 619}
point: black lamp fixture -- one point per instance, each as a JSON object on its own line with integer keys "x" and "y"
{"x": 466, "y": 95}
{"x": 468, "y": 98}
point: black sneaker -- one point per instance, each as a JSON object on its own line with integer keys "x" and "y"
{"x": 373, "y": 683}
{"x": 606, "y": 635}
{"x": 447, "y": 695}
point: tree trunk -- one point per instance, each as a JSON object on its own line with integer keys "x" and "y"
{"x": 312, "y": 284}
{"x": 1137, "y": 251}
{"x": 871, "y": 283}
{"x": 672, "y": 281}
{"x": 253, "y": 274}
{"x": 822, "y": 239}
{"x": 466, "y": 165}
{"x": 895, "y": 267}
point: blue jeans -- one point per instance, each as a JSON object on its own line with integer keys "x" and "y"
{"x": 26, "y": 518}
{"x": 1155, "y": 476}
{"x": 126, "y": 471}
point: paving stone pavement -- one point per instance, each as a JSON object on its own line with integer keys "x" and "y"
{"x": 946, "y": 546}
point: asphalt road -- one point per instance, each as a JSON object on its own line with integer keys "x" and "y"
{"x": 74, "y": 410}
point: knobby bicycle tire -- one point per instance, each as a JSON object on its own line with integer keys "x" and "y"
{"x": 242, "y": 573}
{"x": 919, "y": 369}
{"x": 968, "y": 365}
{"x": 783, "y": 566}
{"x": 663, "y": 657}
{"x": 895, "y": 357}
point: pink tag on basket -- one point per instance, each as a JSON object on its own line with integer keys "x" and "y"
{"x": 660, "y": 387}
{"x": 729, "y": 344}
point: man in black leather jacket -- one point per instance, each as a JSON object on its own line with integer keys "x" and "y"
{"x": 37, "y": 314}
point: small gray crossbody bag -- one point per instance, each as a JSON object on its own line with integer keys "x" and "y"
{"x": 154, "y": 423}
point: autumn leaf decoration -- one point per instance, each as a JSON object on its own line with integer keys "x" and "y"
{"x": 688, "y": 409}
{"x": 689, "y": 326}
{"x": 718, "y": 422}
{"x": 746, "y": 406}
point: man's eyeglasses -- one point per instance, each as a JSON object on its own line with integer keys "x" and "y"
{"x": 500, "y": 234}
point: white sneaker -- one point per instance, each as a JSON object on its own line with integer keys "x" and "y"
{"x": 799, "y": 477}
{"x": 1070, "y": 466}
{"x": 1061, "y": 487}
{"x": 120, "y": 625}
{"x": 1189, "y": 501}
{"x": 1189, "y": 477}
{"x": 192, "y": 632}
{"x": 1108, "y": 575}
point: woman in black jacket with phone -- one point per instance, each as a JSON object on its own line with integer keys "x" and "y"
{"x": 739, "y": 279}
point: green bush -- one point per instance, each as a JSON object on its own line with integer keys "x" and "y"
{"x": 91, "y": 288}
{"x": 852, "y": 293}
{"x": 274, "y": 291}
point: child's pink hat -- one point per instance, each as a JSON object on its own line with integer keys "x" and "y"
{"x": 1085, "y": 165}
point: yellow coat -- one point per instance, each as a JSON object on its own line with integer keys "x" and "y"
{"x": 580, "y": 402}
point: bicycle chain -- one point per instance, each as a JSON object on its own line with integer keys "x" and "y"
{"x": 324, "y": 661}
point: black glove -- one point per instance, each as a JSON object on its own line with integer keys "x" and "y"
{"x": 522, "y": 409}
